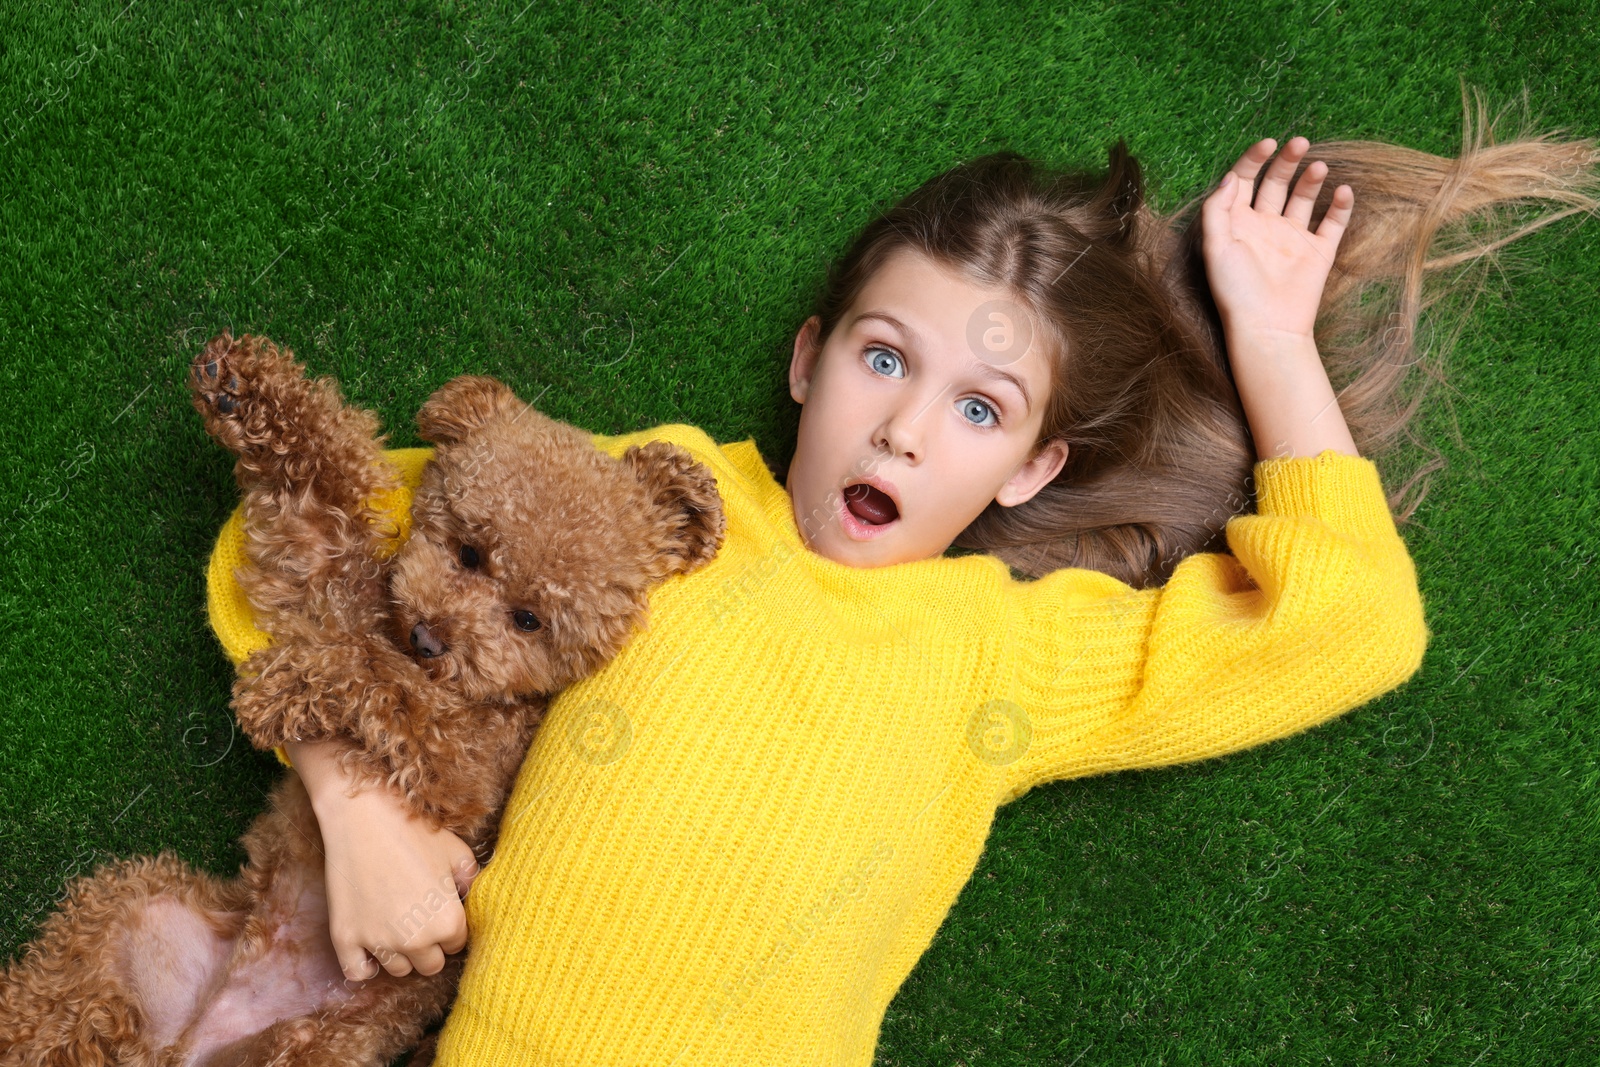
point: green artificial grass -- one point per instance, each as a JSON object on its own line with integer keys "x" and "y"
{"x": 624, "y": 212}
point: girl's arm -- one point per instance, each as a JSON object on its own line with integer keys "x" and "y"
{"x": 1315, "y": 609}
{"x": 1266, "y": 269}
{"x": 394, "y": 883}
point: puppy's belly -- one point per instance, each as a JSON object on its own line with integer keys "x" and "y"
{"x": 173, "y": 955}
{"x": 291, "y": 973}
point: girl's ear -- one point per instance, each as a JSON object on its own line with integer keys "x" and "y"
{"x": 804, "y": 363}
{"x": 1033, "y": 475}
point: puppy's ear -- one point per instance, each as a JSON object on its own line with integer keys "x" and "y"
{"x": 464, "y": 404}
{"x": 684, "y": 492}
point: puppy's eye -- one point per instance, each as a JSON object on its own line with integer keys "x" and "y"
{"x": 525, "y": 620}
{"x": 469, "y": 557}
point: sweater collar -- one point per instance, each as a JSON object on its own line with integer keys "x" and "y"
{"x": 774, "y": 499}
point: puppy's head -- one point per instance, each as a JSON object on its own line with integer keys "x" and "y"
{"x": 532, "y": 553}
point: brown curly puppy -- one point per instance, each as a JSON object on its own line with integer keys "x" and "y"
{"x": 528, "y": 566}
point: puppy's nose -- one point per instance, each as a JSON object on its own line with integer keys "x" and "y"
{"x": 426, "y": 644}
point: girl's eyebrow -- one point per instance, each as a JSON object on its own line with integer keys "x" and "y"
{"x": 884, "y": 316}
{"x": 987, "y": 369}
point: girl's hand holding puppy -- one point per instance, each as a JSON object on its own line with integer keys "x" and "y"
{"x": 394, "y": 883}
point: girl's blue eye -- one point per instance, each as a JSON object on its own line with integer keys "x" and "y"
{"x": 983, "y": 409}
{"x": 889, "y": 364}
{"x": 883, "y": 361}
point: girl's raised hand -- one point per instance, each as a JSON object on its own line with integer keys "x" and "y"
{"x": 1265, "y": 265}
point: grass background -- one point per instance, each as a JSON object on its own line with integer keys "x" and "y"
{"x": 624, "y": 212}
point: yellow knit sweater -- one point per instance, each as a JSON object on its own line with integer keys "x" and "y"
{"x": 732, "y": 844}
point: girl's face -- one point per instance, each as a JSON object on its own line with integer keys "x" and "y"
{"x": 939, "y": 409}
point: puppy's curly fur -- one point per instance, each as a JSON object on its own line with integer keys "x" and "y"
{"x": 528, "y": 565}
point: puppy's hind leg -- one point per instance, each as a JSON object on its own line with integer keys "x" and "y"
{"x": 385, "y": 1018}
{"x": 119, "y": 969}
{"x": 310, "y": 466}
{"x": 284, "y": 1001}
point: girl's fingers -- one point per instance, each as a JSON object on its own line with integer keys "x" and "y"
{"x": 355, "y": 963}
{"x": 1249, "y": 165}
{"x": 396, "y": 963}
{"x": 465, "y": 872}
{"x": 429, "y": 960}
{"x": 1331, "y": 229}
{"x": 1218, "y": 206}
{"x": 1274, "y": 188}
{"x": 455, "y": 942}
{"x": 1224, "y": 198}
{"x": 1305, "y": 193}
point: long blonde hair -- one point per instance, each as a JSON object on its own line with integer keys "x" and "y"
{"x": 1159, "y": 451}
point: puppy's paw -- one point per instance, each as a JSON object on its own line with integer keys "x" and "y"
{"x": 236, "y": 387}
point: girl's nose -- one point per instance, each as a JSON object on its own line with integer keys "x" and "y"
{"x": 903, "y": 432}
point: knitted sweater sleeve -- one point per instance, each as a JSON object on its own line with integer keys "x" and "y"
{"x": 1313, "y": 611}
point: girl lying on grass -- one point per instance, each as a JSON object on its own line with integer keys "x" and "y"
{"x": 733, "y": 844}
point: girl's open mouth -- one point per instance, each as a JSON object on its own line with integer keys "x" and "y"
{"x": 866, "y": 511}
